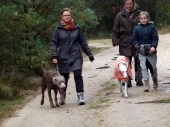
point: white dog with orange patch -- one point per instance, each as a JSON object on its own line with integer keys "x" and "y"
{"x": 122, "y": 72}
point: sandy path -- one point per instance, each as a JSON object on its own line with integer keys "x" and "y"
{"x": 121, "y": 112}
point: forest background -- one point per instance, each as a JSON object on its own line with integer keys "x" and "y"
{"x": 26, "y": 27}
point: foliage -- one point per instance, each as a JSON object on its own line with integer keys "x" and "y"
{"x": 27, "y": 26}
{"x": 13, "y": 85}
{"x": 82, "y": 14}
{"x": 9, "y": 106}
{"x": 106, "y": 11}
{"x": 27, "y": 31}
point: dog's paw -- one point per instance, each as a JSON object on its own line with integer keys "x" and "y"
{"x": 62, "y": 103}
{"x": 57, "y": 105}
{"x": 42, "y": 102}
{"x": 52, "y": 106}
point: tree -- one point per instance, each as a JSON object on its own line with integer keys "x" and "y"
{"x": 26, "y": 33}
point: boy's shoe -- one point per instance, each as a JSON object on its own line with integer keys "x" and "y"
{"x": 80, "y": 98}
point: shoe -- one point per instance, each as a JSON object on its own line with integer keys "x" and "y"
{"x": 146, "y": 86}
{"x": 129, "y": 83}
{"x": 80, "y": 98}
{"x": 146, "y": 90}
{"x": 155, "y": 83}
{"x": 139, "y": 83}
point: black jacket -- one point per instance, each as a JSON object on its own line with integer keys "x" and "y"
{"x": 123, "y": 31}
{"x": 65, "y": 47}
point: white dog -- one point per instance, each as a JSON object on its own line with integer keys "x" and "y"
{"x": 122, "y": 72}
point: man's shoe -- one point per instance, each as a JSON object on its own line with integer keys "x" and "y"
{"x": 139, "y": 83}
{"x": 129, "y": 83}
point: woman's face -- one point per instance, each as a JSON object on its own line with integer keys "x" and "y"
{"x": 143, "y": 19}
{"x": 66, "y": 16}
{"x": 129, "y": 5}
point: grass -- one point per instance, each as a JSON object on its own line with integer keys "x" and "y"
{"x": 103, "y": 98}
{"x": 99, "y": 104}
{"x": 164, "y": 30}
{"x": 111, "y": 86}
{"x": 7, "y": 107}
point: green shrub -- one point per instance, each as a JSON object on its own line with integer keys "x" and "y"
{"x": 5, "y": 92}
{"x": 13, "y": 85}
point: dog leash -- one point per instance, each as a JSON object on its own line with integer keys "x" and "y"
{"x": 136, "y": 55}
{"x": 56, "y": 66}
{"x": 57, "y": 69}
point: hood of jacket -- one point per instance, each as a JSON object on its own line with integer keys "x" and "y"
{"x": 134, "y": 10}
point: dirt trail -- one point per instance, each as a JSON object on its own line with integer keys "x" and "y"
{"x": 117, "y": 112}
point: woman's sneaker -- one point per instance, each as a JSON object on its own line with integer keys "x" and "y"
{"x": 80, "y": 98}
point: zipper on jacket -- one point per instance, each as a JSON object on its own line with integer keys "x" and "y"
{"x": 69, "y": 47}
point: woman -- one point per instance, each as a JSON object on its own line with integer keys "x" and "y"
{"x": 123, "y": 27}
{"x": 145, "y": 37}
{"x": 66, "y": 40}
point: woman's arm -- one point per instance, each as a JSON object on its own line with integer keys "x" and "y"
{"x": 116, "y": 31}
{"x": 83, "y": 43}
{"x": 54, "y": 44}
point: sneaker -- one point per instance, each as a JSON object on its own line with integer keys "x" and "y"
{"x": 80, "y": 98}
{"x": 139, "y": 83}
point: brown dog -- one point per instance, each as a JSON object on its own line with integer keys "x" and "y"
{"x": 52, "y": 80}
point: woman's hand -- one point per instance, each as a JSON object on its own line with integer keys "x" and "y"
{"x": 91, "y": 58}
{"x": 137, "y": 46}
{"x": 55, "y": 61}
